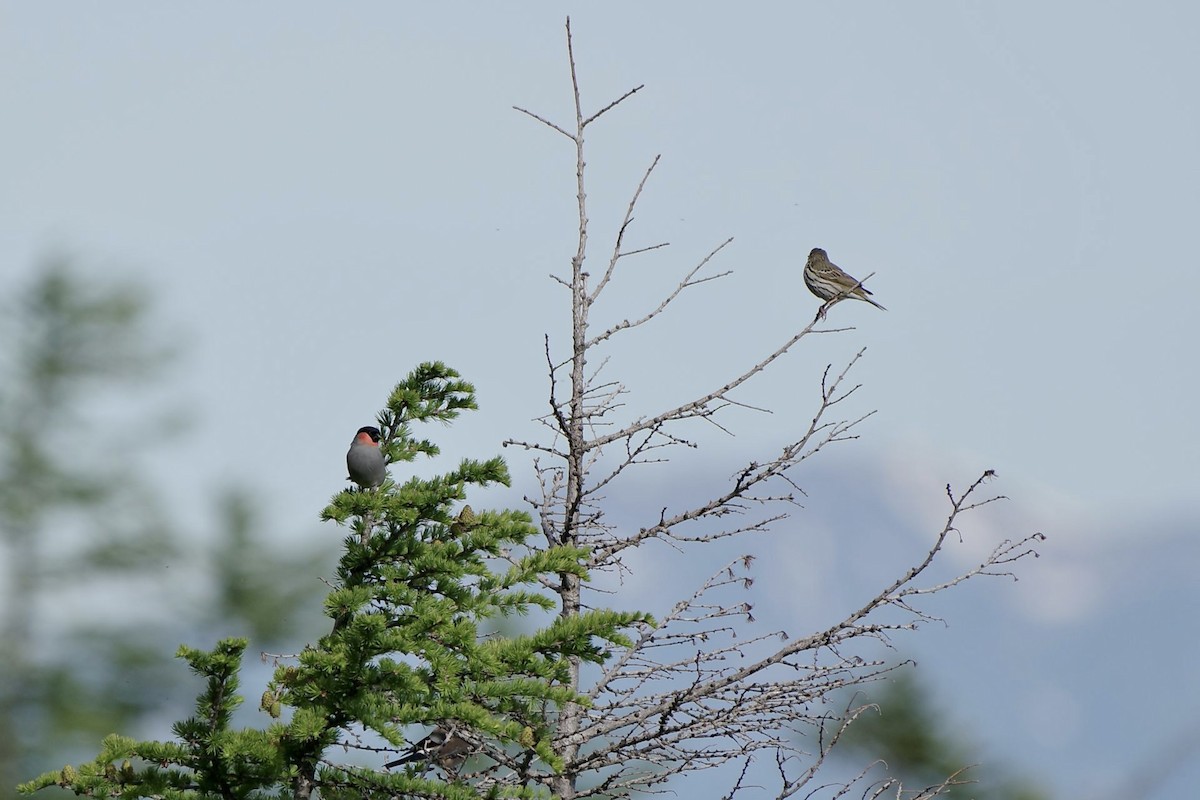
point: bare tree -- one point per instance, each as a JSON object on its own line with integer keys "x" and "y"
{"x": 691, "y": 693}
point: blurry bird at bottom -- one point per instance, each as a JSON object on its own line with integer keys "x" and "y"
{"x": 443, "y": 747}
{"x": 364, "y": 460}
{"x": 827, "y": 281}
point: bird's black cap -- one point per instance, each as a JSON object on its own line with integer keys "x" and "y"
{"x": 371, "y": 431}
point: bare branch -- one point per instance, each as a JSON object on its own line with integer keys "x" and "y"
{"x": 545, "y": 122}
{"x": 625, "y": 223}
{"x": 683, "y": 284}
{"x": 696, "y": 691}
{"x": 740, "y": 705}
{"x": 700, "y": 406}
{"x": 751, "y": 476}
{"x": 613, "y": 104}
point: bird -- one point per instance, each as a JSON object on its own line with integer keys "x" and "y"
{"x": 463, "y": 522}
{"x": 364, "y": 460}
{"x": 827, "y": 281}
{"x": 443, "y": 746}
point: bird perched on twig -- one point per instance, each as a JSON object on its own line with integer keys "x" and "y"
{"x": 827, "y": 281}
{"x": 444, "y": 747}
{"x": 364, "y": 460}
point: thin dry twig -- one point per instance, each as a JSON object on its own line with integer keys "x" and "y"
{"x": 695, "y": 692}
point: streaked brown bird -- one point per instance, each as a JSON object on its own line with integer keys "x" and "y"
{"x": 827, "y": 281}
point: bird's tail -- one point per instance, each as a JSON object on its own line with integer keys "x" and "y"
{"x": 405, "y": 759}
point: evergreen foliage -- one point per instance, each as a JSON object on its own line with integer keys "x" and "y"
{"x": 414, "y": 584}
{"x": 77, "y": 515}
{"x": 83, "y": 516}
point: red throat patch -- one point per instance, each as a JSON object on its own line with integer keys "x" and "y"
{"x": 365, "y": 438}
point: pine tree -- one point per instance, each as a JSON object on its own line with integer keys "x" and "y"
{"x": 418, "y": 577}
{"x": 74, "y": 512}
{"x": 81, "y": 512}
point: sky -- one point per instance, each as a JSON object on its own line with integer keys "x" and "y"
{"x": 322, "y": 197}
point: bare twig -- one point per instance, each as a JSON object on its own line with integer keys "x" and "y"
{"x": 694, "y": 692}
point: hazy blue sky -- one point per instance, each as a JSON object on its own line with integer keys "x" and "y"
{"x": 324, "y": 195}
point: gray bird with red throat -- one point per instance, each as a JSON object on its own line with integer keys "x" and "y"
{"x": 364, "y": 460}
